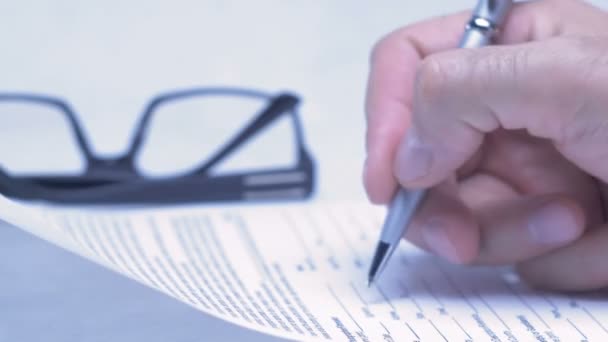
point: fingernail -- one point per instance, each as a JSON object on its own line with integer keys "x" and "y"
{"x": 437, "y": 241}
{"x": 553, "y": 224}
{"x": 414, "y": 159}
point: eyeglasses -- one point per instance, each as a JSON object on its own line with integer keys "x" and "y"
{"x": 145, "y": 173}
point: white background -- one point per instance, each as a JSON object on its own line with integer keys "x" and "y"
{"x": 107, "y": 58}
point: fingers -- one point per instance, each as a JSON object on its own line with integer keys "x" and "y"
{"x": 445, "y": 226}
{"x": 525, "y": 228}
{"x": 394, "y": 64}
{"x": 579, "y": 266}
{"x": 533, "y": 166}
{"x": 552, "y": 89}
{"x": 501, "y": 227}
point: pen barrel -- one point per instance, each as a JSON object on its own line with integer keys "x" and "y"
{"x": 494, "y": 11}
{"x": 485, "y": 21}
{"x": 473, "y": 38}
{"x": 400, "y": 213}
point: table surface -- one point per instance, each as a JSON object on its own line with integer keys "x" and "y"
{"x": 109, "y": 57}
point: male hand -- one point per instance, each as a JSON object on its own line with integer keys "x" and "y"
{"x": 512, "y": 139}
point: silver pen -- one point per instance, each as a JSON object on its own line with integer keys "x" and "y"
{"x": 487, "y": 17}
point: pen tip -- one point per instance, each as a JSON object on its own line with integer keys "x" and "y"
{"x": 377, "y": 262}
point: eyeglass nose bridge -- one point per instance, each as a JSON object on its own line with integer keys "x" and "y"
{"x": 120, "y": 167}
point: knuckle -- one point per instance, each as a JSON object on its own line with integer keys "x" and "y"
{"x": 432, "y": 78}
{"x": 381, "y": 48}
{"x": 493, "y": 70}
{"x": 502, "y": 63}
{"x": 392, "y": 43}
{"x": 517, "y": 64}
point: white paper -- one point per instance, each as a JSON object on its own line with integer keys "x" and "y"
{"x": 299, "y": 271}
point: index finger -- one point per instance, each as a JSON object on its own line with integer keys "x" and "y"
{"x": 394, "y": 62}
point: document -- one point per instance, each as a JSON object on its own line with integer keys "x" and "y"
{"x": 299, "y": 271}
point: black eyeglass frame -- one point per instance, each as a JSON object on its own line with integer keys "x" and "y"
{"x": 117, "y": 181}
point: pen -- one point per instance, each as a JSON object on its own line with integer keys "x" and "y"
{"x": 486, "y": 18}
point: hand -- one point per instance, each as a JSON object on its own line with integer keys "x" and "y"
{"x": 512, "y": 139}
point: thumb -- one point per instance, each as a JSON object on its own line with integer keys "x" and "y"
{"x": 553, "y": 89}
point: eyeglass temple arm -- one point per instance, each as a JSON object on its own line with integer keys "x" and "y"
{"x": 279, "y": 105}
